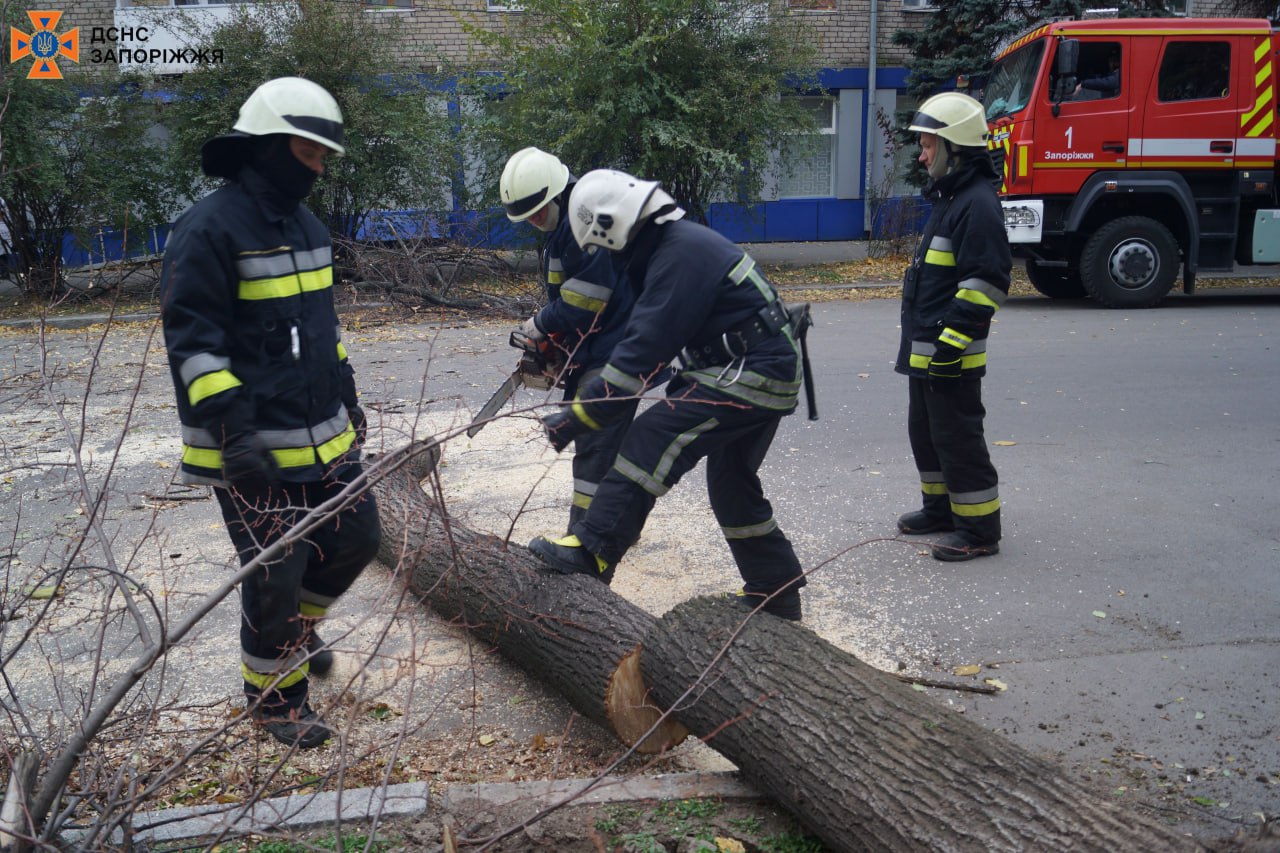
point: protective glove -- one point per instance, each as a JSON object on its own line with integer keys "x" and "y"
{"x": 359, "y": 423}
{"x": 247, "y": 464}
{"x": 562, "y": 428}
{"x": 945, "y": 363}
{"x": 530, "y": 328}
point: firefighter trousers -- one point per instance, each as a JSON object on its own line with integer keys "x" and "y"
{"x": 298, "y": 584}
{"x": 663, "y": 444}
{"x": 593, "y": 455}
{"x": 956, "y": 474}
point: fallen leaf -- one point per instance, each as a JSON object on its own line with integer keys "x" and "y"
{"x": 1199, "y": 715}
{"x": 996, "y": 683}
{"x": 487, "y": 740}
{"x": 968, "y": 669}
{"x": 1004, "y": 443}
{"x": 729, "y": 845}
{"x": 919, "y": 688}
{"x": 45, "y": 591}
{"x": 1100, "y": 614}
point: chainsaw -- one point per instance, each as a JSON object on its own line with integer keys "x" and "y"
{"x": 539, "y": 368}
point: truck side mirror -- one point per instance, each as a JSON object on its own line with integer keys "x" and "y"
{"x": 1068, "y": 61}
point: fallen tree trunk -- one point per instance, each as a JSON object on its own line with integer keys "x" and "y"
{"x": 866, "y": 762}
{"x": 572, "y": 633}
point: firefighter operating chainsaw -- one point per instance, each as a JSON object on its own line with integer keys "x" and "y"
{"x": 541, "y": 363}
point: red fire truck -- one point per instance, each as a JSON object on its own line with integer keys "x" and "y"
{"x": 1130, "y": 147}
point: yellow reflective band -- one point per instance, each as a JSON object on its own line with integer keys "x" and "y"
{"x": 940, "y": 259}
{"x": 580, "y": 411}
{"x": 586, "y": 303}
{"x": 919, "y": 360}
{"x": 311, "y": 611}
{"x": 342, "y": 352}
{"x": 202, "y": 457}
{"x": 952, "y": 338}
{"x": 933, "y": 488}
{"x": 581, "y": 501}
{"x": 264, "y": 680}
{"x": 974, "y": 510}
{"x": 975, "y": 360}
{"x": 555, "y": 276}
{"x": 289, "y": 285}
{"x": 211, "y": 383}
{"x": 976, "y": 297}
{"x": 338, "y": 445}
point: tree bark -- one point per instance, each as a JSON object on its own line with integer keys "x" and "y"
{"x": 571, "y": 632}
{"x": 863, "y": 760}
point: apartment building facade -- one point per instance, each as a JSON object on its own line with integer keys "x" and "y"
{"x": 832, "y": 193}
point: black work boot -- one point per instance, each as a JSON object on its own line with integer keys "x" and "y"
{"x": 319, "y": 655}
{"x": 300, "y": 727}
{"x": 566, "y": 556}
{"x": 958, "y": 547}
{"x": 920, "y": 522}
{"x": 784, "y": 605}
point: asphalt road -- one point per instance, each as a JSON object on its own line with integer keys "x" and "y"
{"x": 1134, "y": 609}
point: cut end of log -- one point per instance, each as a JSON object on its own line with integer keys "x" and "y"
{"x": 632, "y": 713}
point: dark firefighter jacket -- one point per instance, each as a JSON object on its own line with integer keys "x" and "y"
{"x": 587, "y": 313}
{"x": 959, "y": 276}
{"x": 253, "y": 339}
{"x": 693, "y": 285}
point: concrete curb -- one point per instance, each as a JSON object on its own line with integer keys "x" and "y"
{"x": 301, "y": 812}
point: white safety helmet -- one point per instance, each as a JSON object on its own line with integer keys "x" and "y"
{"x": 607, "y": 208}
{"x": 957, "y": 118}
{"x": 530, "y": 181}
{"x": 288, "y": 105}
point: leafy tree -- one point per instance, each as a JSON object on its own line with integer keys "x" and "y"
{"x": 689, "y": 92}
{"x": 400, "y": 150}
{"x": 76, "y": 155}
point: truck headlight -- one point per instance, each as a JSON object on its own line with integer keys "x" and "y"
{"x": 1021, "y": 217}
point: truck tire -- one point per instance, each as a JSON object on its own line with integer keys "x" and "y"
{"x": 1130, "y": 262}
{"x": 1055, "y": 282}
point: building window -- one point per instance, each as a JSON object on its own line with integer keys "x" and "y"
{"x": 1195, "y": 70}
{"x": 919, "y": 6}
{"x": 807, "y": 167}
{"x": 388, "y": 4}
{"x": 503, "y": 6}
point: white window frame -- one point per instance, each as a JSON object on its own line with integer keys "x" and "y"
{"x": 918, "y": 6}
{"x": 503, "y": 6}
{"x": 829, "y": 130}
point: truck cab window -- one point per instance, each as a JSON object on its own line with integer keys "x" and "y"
{"x": 1195, "y": 70}
{"x": 1011, "y": 82}
{"x": 1099, "y": 77}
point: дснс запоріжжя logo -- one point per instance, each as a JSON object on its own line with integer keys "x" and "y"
{"x": 44, "y": 45}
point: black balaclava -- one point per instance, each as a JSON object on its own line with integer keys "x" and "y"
{"x": 287, "y": 175}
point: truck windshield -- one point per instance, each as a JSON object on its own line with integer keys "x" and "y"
{"x": 1010, "y": 84}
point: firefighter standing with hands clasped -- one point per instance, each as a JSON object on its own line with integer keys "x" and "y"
{"x": 701, "y": 299}
{"x": 585, "y": 314}
{"x": 958, "y": 279}
{"x": 266, "y": 396}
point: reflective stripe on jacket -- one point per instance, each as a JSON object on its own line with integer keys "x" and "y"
{"x": 253, "y": 339}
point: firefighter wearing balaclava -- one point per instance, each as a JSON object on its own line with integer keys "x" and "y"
{"x": 702, "y": 304}
{"x": 957, "y": 281}
{"x": 265, "y": 392}
{"x": 585, "y": 312}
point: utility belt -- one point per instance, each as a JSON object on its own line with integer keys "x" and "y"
{"x": 737, "y": 340}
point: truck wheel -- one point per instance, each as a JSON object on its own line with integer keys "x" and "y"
{"x": 1130, "y": 262}
{"x": 1055, "y": 282}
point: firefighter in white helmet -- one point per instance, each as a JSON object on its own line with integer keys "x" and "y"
{"x": 700, "y": 302}
{"x": 265, "y": 392}
{"x": 958, "y": 279}
{"x": 585, "y": 313}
